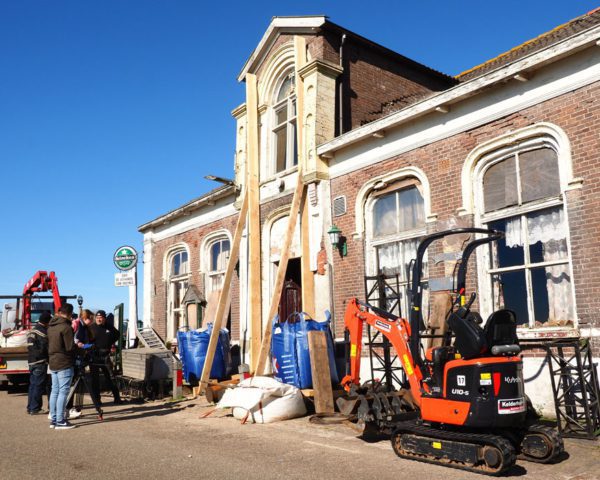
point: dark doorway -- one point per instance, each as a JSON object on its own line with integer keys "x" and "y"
{"x": 291, "y": 296}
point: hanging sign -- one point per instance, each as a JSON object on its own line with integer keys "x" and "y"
{"x": 125, "y": 258}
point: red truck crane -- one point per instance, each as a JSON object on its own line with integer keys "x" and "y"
{"x": 18, "y": 317}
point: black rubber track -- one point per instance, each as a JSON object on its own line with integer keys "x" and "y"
{"x": 552, "y": 437}
{"x": 502, "y": 444}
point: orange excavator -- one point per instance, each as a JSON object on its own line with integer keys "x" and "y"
{"x": 466, "y": 407}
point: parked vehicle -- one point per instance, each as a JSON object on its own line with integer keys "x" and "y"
{"x": 19, "y": 316}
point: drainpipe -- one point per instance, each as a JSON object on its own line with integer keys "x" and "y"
{"x": 341, "y": 88}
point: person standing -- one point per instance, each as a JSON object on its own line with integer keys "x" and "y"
{"x": 104, "y": 337}
{"x": 61, "y": 353}
{"x": 37, "y": 349}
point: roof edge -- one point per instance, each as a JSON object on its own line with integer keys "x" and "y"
{"x": 199, "y": 202}
{"x": 277, "y": 25}
{"x": 554, "y": 52}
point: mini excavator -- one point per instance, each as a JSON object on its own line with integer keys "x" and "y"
{"x": 466, "y": 407}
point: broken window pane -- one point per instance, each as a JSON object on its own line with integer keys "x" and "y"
{"x": 538, "y": 170}
{"x": 511, "y": 291}
{"x": 500, "y": 185}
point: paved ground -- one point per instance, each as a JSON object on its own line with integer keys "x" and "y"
{"x": 165, "y": 440}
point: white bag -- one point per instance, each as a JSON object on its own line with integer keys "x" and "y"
{"x": 263, "y": 400}
{"x": 14, "y": 338}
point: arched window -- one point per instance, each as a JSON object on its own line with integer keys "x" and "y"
{"x": 529, "y": 270}
{"x": 177, "y": 284}
{"x": 284, "y": 145}
{"x": 397, "y": 222}
{"x": 218, "y": 254}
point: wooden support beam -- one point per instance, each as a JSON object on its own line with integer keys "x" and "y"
{"x": 254, "y": 303}
{"x": 308, "y": 279}
{"x": 224, "y": 298}
{"x": 265, "y": 348}
{"x": 321, "y": 375}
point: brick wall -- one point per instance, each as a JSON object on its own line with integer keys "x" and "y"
{"x": 375, "y": 80}
{"x": 577, "y": 113}
{"x": 193, "y": 239}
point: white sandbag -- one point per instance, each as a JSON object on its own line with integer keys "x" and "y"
{"x": 263, "y": 400}
{"x": 14, "y": 338}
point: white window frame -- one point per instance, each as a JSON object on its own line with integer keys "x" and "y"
{"x": 505, "y": 147}
{"x": 372, "y": 243}
{"x": 183, "y": 279}
{"x": 213, "y": 275}
{"x": 290, "y": 103}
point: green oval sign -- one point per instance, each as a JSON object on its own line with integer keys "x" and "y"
{"x": 125, "y": 258}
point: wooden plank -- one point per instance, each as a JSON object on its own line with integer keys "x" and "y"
{"x": 224, "y": 299}
{"x": 212, "y": 303}
{"x": 441, "y": 302}
{"x": 265, "y": 348}
{"x": 254, "y": 303}
{"x": 308, "y": 279}
{"x": 321, "y": 375}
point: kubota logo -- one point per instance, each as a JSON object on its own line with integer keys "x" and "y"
{"x": 512, "y": 379}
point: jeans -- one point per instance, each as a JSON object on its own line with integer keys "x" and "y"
{"x": 38, "y": 375}
{"x": 61, "y": 383}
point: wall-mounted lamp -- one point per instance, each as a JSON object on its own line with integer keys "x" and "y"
{"x": 338, "y": 240}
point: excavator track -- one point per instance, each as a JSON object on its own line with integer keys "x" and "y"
{"x": 541, "y": 444}
{"x": 475, "y": 452}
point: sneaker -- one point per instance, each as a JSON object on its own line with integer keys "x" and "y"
{"x": 36, "y": 412}
{"x": 52, "y": 425}
{"x": 64, "y": 426}
{"x": 74, "y": 413}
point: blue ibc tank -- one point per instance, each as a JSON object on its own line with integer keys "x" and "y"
{"x": 193, "y": 346}
{"x": 291, "y": 355}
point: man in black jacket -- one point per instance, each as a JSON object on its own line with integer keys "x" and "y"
{"x": 37, "y": 348}
{"x": 104, "y": 338}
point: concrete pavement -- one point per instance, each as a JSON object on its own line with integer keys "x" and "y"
{"x": 170, "y": 440}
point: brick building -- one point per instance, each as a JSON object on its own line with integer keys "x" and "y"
{"x": 392, "y": 150}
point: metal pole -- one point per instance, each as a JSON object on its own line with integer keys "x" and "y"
{"x": 133, "y": 318}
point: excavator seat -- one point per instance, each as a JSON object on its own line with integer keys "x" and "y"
{"x": 501, "y": 333}
{"x": 470, "y": 339}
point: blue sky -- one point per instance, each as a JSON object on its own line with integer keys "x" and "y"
{"x": 111, "y": 112}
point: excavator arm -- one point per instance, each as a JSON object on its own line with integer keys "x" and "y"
{"x": 396, "y": 330}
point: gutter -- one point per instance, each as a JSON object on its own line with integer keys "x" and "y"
{"x": 207, "y": 199}
{"x": 440, "y": 102}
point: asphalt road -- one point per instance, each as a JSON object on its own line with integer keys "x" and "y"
{"x": 159, "y": 440}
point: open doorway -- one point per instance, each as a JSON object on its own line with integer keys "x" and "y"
{"x": 291, "y": 295}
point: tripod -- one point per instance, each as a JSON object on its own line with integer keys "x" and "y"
{"x": 81, "y": 379}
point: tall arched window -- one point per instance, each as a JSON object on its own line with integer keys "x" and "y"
{"x": 284, "y": 145}
{"x": 529, "y": 270}
{"x": 177, "y": 284}
{"x": 397, "y": 222}
{"x": 218, "y": 254}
